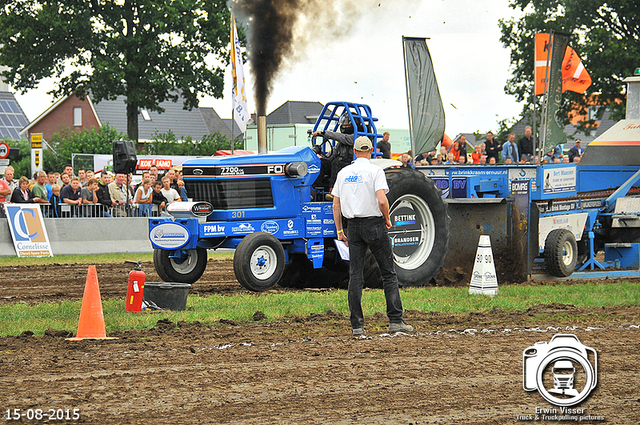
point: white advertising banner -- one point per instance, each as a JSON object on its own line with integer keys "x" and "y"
{"x": 558, "y": 180}
{"x": 27, "y": 230}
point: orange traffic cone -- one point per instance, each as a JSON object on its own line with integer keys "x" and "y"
{"x": 91, "y": 324}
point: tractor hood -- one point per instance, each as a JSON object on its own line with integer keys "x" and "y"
{"x": 288, "y": 162}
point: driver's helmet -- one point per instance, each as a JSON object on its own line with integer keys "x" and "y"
{"x": 346, "y": 126}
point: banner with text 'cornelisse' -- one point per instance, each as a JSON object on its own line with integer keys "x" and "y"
{"x": 27, "y": 230}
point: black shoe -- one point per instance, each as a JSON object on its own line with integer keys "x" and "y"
{"x": 358, "y": 331}
{"x": 400, "y": 327}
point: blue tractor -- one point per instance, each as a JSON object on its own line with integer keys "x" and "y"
{"x": 273, "y": 210}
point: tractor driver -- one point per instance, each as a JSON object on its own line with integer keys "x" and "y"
{"x": 344, "y": 145}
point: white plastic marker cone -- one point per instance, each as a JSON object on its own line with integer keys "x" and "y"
{"x": 483, "y": 278}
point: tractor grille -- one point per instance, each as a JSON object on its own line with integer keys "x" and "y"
{"x": 232, "y": 194}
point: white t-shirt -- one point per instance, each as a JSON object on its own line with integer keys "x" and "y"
{"x": 143, "y": 195}
{"x": 356, "y": 186}
{"x": 171, "y": 195}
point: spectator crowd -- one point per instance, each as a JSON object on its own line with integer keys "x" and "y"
{"x": 491, "y": 152}
{"x": 87, "y": 195}
{"x": 107, "y": 195}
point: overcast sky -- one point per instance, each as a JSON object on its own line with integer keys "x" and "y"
{"x": 367, "y": 66}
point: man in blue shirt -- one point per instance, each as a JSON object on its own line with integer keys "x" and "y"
{"x": 576, "y": 150}
{"x": 510, "y": 150}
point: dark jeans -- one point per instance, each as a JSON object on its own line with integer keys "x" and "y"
{"x": 372, "y": 233}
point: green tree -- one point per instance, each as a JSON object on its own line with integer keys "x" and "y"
{"x": 22, "y": 163}
{"x": 604, "y": 33}
{"x": 147, "y": 50}
{"x": 68, "y": 142}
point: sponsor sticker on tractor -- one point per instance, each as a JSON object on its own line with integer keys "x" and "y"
{"x": 405, "y": 233}
{"x": 242, "y": 229}
{"x": 270, "y": 227}
{"x": 169, "y": 236}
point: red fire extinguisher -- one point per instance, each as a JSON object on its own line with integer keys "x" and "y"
{"x": 135, "y": 289}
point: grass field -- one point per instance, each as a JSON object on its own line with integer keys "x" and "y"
{"x": 90, "y": 259}
{"x": 16, "y": 318}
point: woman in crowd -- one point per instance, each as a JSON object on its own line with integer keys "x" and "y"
{"x": 22, "y": 194}
{"x": 144, "y": 198}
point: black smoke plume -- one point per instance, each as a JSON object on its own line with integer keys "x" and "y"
{"x": 281, "y": 31}
{"x": 270, "y": 25}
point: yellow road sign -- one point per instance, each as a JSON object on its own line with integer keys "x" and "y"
{"x": 36, "y": 141}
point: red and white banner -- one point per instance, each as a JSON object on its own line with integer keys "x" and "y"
{"x": 144, "y": 164}
{"x": 163, "y": 164}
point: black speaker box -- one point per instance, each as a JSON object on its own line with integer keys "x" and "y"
{"x": 124, "y": 156}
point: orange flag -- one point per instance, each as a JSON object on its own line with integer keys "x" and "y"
{"x": 574, "y": 75}
{"x": 541, "y": 58}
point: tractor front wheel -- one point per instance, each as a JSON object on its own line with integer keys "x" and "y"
{"x": 259, "y": 261}
{"x": 184, "y": 265}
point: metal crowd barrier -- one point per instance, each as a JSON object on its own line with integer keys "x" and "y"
{"x": 96, "y": 211}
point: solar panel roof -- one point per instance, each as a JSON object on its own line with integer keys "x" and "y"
{"x": 12, "y": 118}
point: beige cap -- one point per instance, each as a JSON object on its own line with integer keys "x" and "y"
{"x": 363, "y": 143}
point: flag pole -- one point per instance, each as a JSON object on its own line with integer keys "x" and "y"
{"x": 231, "y": 52}
{"x": 232, "y": 125}
{"x": 535, "y": 138}
{"x": 544, "y": 123}
{"x": 533, "y": 133}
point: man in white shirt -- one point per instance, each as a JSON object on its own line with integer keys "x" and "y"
{"x": 359, "y": 195}
{"x": 170, "y": 193}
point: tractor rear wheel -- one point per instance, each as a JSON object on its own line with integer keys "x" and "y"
{"x": 259, "y": 261}
{"x": 420, "y": 232}
{"x": 560, "y": 252}
{"x": 187, "y": 267}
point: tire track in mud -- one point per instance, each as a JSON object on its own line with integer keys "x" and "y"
{"x": 65, "y": 282}
{"x": 311, "y": 375}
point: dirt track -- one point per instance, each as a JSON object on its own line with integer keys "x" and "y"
{"x": 455, "y": 369}
{"x": 35, "y": 284}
